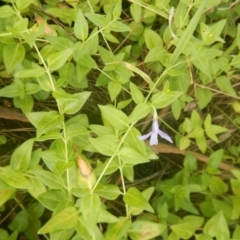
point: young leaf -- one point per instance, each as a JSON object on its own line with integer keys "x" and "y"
{"x": 65, "y": 219}
{"x": 21, "y": 157}
{"x": 81, "y": 26}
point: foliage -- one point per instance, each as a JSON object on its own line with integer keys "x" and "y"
{"x": 89, "y": 75}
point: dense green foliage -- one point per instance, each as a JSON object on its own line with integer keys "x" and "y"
{"x": 92, "y": 77}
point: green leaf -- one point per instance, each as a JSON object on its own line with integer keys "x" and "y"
{"x": 81, "y": 26}
{"x": 50, "y": 179}
{"x": 106, "y": 145}
{"x": 70, "y": 103}
{"x": 157, "y": 54}
{"x": 117, "y": 26}
{"x": 65, "y": 219}
{"x": 236, "y": 232}
{"x": 134, "y": 198}
{"x": 152, "y": 39}
{"x": 59, "y": 43}
{"x": 45, "y": 121}
{"x": 97, "y": 19}
{"x": 12, "y": 55}
{"x": 114, "y": 88}
{"x": 143, "y": 230}
{"x": 14, "y": 178}
{"x": 87, "y": 61}
{"x": 108, "y": 191}
{"x": 10, "y": 91}
{"x": 202, "y": 144}
{"x": 21, "y": 156}
{"x": 5, "y": 195}
{"x": 224, "y": 85}
{"x": 26, "y": 103}
{"x": 117, "y": 10}
{"x": 6, "y": 11}
{"x": 45, "y": 83}
{"x": 115, "y": 117}
{"x": 136, "y": 94}
{"x": 3, "y": 139}
{"x": 215, "y": 159}
{"x": 190, "y": 163}
{"x": 147, "y": 193}
{"x": 196, "y": 119}
{"x": 23, "y": 4}
{"x": 131, "y": 156}
{"x": 196, "y": 133}
{"x": 186, "y": 229}
{"x": 184, "y": 143}
{"x": 238, "y": 36}
{"x": 35, "y": 210}
{"x": 136, "y": 12}
{"x": 20, "y": 222}
{"x": 90, "y": 209}
{"x": 118, "y": 230}
{"x": 163, "y": 99}
{"x": 212, "y": 34}
{"x": 204, "y": 97}
{"x": 52, "y": 198}
{"x": 184, "y": 40}
{"x": 217, "y": 186}
{"x": 140, "y": 111}
{"x": 57, "y": 60}
{"x": 132, "y": 141}
{"x": 106, "y": 217}
{"x": 213, "y": 130}
{"x": 217, "y": 227}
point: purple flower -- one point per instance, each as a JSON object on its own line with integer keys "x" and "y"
{"x": 155, "y": 132}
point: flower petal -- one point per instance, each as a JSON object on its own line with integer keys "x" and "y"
{"x": 144, "y": 137}
{"x": 165, "y": 136}
{"x": 154, "y": 139}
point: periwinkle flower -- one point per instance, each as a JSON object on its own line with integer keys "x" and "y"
{"x": 155, "y": 132}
